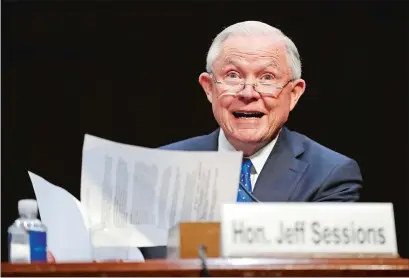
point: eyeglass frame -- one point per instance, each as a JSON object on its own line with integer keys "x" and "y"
{"x": 254, "y": 85}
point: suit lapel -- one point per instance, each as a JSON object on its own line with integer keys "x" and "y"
{"x": 282, "y": 170}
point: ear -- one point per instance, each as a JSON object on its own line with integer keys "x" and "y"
{"x": 207, "y": 84}
{"x": 296, "y": 92}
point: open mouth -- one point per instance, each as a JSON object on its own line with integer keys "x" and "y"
{"x": 248, "y": 115}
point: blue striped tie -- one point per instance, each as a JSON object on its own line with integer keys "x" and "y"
{"x": 245, "y": 179}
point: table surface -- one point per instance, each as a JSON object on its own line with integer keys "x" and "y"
{"x": 220, "y": 267}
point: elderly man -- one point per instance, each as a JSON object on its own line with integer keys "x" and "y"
{"x": 253, "y": 81}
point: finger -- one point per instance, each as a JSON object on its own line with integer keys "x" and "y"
{"x": 50, "y": 257}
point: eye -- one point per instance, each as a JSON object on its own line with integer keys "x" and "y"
{"x": 267, "y": 77}
{"x": 232, "y": 75}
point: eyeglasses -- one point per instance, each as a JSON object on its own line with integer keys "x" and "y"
{"x": 236, "y": 85}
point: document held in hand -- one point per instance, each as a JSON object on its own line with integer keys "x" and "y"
{"x": 131, "y": 196}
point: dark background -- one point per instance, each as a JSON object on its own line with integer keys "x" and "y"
{"x": 128, "y": 72}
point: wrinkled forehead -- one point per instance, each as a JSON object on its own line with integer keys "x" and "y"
{"x": 254, "y": 51}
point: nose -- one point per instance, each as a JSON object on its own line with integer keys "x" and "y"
{"x": 249, "y": 92}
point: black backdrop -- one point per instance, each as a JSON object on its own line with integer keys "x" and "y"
{"x": 128, "y": 71}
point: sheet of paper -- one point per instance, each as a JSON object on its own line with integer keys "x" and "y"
{"x": 143, "y": 192}
{"x": 68, "y": 237}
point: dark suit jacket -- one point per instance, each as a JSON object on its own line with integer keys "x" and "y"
{"x": 297, "y": 170}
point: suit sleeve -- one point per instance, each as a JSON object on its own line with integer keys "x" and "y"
{"x": 343, "y": 184}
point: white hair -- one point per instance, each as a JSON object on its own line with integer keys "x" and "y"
{"x": 248, "y": 28}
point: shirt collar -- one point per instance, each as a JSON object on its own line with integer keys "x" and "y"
{"x": 258, "y": 159}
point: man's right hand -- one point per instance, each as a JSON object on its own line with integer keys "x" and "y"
{"x": 50, "y": 257}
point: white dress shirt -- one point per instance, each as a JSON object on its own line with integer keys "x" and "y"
{"x": 258, "y": 159}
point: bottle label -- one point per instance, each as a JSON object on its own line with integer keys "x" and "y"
{"x": 38, "y": 246}
{"x": 19, "y": 250}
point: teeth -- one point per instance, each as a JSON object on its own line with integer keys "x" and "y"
{"x": 248, "y": 114}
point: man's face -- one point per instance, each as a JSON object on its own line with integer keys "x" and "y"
{"x": 249, "y": 117}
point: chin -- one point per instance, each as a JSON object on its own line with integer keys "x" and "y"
{"x": 248, "y": 135}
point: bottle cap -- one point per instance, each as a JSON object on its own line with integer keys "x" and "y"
{"x": 27, "y": 207}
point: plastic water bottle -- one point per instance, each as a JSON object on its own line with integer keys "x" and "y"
{"x": 27, "y": 235}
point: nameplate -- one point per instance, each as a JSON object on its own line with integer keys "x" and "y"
{"x": 308, "y": 229}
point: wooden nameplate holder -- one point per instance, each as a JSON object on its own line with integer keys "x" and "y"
{"x": 186, "y": 238}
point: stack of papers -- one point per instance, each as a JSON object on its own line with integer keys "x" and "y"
{"x": 131, "y": 196}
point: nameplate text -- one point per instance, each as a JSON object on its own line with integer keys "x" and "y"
{"x": 258, "y": 229}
